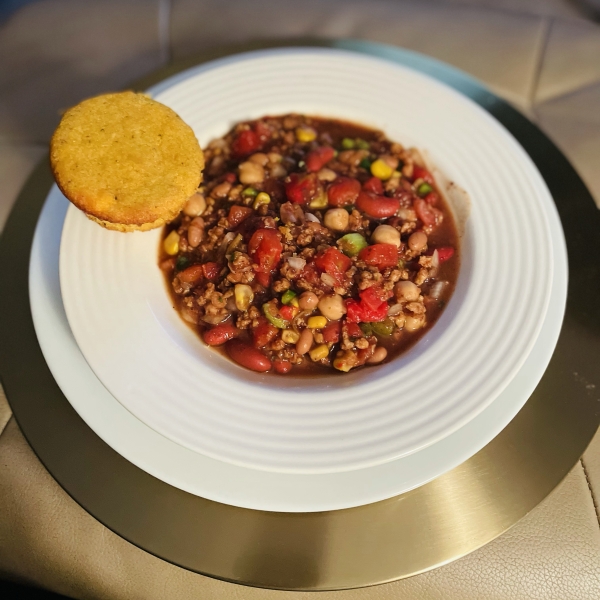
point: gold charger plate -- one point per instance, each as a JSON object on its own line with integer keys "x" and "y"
{"x": 411, "y": 533}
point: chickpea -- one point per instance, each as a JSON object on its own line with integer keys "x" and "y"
{"x": 260, "y": 158}
{"x": 417, "y": 241}
{"x": 332, "y": 307}
{"x": 195, "y": 232}
{"x": 305, "y": 342}
{"x": 412, "y": 323}
{"x": 195, "y": 205}
{"x": 389, "y": 160}
{"x": 221, "y": 190}
{"x": 278, "y": 171}
{"x": 251, "y": 172}
{"x": 386, "y": 234}
{"x": 326, "y": 175}
{"x": 378, "y": 356}
{"x": 308, "y": 301}
{"x": 407, "y": 290}
{"x": 336, "y": 219}
{"x": 274, "y": 157}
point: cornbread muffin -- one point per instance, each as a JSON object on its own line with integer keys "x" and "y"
{"x": 128, "y": 162}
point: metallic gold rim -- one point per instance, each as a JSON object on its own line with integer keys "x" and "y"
{"x": 427, "y": 527}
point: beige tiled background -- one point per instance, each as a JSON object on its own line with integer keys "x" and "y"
{"x": 541, "y": 55}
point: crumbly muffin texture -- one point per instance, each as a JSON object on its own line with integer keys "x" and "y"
{"x": 126, "y": 160}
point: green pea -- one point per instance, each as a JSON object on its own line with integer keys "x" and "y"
{"x": 362, "y": 144}
{"x": 424, "y": 189}
{"x": 347, "y": 144}
{"x": 250, "y": 192}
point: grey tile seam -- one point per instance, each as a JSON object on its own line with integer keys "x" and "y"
{"x": 546, "y": 28}
{"x": 572, "y": 92}
{"x": 513, "y": 11}
{"x": 3, "y": 427}
{"x": 594, "y": 501}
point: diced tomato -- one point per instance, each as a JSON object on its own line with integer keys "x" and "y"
{"x": 374, "y": 296}
{"x": 318, "y": 158}
{"x": 332, "y": 332}
{"x": 245, "y": 143}
{"x": 376, "y": 314}
{"x": 334, "y": 263}
{"x": 373, "y": 185}
{"x": 230, "y": 177}
{"x": 353, "y": 330}
{"x": 353, "y": 311}
{"x": 372, "y": 307}
{"x": 237, "y": 214}
{"x": 263, "y": 333}
{"x": 424, "y": 174}
{"x": 282, "y": 366}
{"x": 265, "y": 249}
{"x": 211, "y": 270}
{"x": 343, "y": 191}
{"x": 380, "y": 255}
{"x": 301, "y": 189}
{"x": 377, "y": 206}
{"x": 288, "y": 312}
{"x": 264, "y": 279}
{"x": 424, "y": 212}
{"x": 444, "y": 253}
{"x": 432, "y": 198}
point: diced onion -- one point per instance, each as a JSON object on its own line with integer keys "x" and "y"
{"x": 437, "y": 289}
{"x": 214, "y": 319}
{"x": 435, "y": 260}
{"x": 327, "y": 279}
{"x": 310, "y": 217}
{"x": 394, "y": 310}
{"x": 296, "y": 262}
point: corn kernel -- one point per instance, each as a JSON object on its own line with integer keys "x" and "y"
{"x": 381, "y": 169}
{"x": 294, "y": 302}
{"x": 289, "y": 336}
{"x": 319, "y": 352}
{"x": 261, "y": 198}
{"x": 316, "y": 322}
{"x": 171, "y": 243}
{"x": 243, "y": 296}
{"x": 342, "y": 365}
{"x": 305, "y": 134}
{"x": 320, "y": 201}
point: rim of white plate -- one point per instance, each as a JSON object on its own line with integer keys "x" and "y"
{"x": 119, "y": 310}
{"x": 240, "y": 486}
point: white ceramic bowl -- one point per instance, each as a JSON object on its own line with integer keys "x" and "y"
{"x": 120, "y": 312}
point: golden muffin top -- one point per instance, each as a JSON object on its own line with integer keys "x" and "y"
{"x": 129, "y": 162}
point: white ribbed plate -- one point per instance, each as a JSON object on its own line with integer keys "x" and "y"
{"x": 120, "y": 314}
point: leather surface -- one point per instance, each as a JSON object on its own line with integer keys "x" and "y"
{"x": 553, "y": 553}
{"x": 540, "y": 54}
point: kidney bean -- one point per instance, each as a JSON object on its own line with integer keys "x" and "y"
{"x": 192, "y": 274}
{"x": 376, "y": 206}
{"x": 220, "y": 334}
{"x": 305, "y": 342}
{"x": 282, "y": 366}
{"x": 247, "y": 356}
